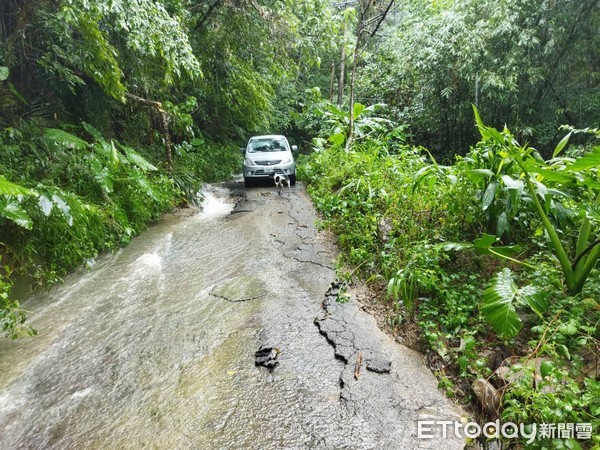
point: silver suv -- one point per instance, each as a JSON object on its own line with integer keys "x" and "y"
{"x": 264, "y": 156}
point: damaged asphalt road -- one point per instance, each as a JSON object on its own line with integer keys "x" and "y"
{"x": 381, "y": 382}
{"x": 212, "y": 330}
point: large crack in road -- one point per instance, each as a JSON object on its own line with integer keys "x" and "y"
{"x": 155, "y": 347}
{"x": 380, "y": 379}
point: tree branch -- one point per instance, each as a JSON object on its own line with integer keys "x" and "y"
{"x": 164, "y": 124}
{"x": 258, "y": 9}
{"x": 382, "y": 18}
{"x": 206, "y": 15}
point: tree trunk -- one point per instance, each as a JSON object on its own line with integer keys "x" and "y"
{"x": 350, "y": 138}
{"x": 331, "y": 79}
{"x": 340, "y": 96}
{"x": 360, "y": 31}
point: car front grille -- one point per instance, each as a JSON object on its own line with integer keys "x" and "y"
{"x": 272, "y": 162}
{"x": 261, "y": 172}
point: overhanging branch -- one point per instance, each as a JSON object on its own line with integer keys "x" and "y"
{"x": 164, "y": 124}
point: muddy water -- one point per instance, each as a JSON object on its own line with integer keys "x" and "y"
{"x": 154, "y": 346}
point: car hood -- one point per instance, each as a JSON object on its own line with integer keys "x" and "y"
{"x": 268, "y": 156}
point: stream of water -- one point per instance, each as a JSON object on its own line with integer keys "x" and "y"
{"x": 137, "y": 353}
{"x": 154, "y": 346}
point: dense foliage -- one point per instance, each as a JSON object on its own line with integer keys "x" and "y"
{"x": 495, "y": 256}
{"x": 114, "y": 111}
{"x": 532, "y": 65}
{"x": 473, "y": 254}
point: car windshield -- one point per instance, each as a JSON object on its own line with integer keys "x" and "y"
{"x": 267, "y": 145}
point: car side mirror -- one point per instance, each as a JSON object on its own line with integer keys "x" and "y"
{"x": 242, "y": 150}
{"x": 295, "y": 150}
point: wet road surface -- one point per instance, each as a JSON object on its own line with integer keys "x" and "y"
{"x": 154, "y": 346}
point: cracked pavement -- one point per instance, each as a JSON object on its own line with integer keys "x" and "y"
{"x": 391, "y": 388}
{"x": 155, "y": 346}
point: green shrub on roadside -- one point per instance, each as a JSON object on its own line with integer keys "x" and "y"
{"x": 67, "y": 195}
{"x": 436, "y": 235}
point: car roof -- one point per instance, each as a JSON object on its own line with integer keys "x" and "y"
{"x": 267, "y": 136}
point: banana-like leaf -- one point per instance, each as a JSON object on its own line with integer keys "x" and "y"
{"x": 502, "y": 226}
{"x": 63, "y": 207}
{"x": 336, "y": 111}
{"x": 513, "y": 184}
{"x": 61, "y": 138}
{"x": 138, "y": 160}
{"x": 12, "y": 189}
{"x": 536, "y": 299}
{"x": 480, "y": 173}
{"x": 114, "y": 155}
{"x": 561, "y": 144}
{"x": 358, "y": 109}
{"x": 489, "y": 195}
{"x": 11, "y": 210}
{"x": 550, "y": 174}
{"x": 422, "y": 174}
{"x": 101, "y": 174}
{"x": 515, "y": 192}
{"x": 483, "y": 245}
{"x": 4, "y": 72}
{"x": 45, "y": 204}
{"x": 485, "y": 241}
{"x": 588, "y": 161}
{"x": 500, "y": 300}
{"x": 485, "y": 131}
{"x": 498, "y": 305}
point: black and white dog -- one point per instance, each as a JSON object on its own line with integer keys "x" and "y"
{"x": 281, "y": 180}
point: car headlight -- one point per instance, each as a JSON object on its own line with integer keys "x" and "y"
{"x": 249, "y": 162}
{"x": 287, "y": 161}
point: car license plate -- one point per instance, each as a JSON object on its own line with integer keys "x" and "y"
{"x": 269, "y": 170}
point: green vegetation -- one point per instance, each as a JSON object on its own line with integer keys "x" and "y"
{"x": 492, "y": 255}
{"x": 472, "y": 252}
{"x": 528, "y": 64}
{"x": 487, "y": 241}
{"x": 113, "y": 112}
{"x": 90, "y": 195}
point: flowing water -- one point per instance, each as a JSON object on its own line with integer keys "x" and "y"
{"x": 154, "y": 346}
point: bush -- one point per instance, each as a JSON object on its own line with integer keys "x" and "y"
{"x": 432, "y": 233}
{"x": 70, "y": 198}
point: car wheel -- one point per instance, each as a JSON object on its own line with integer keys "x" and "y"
{"x": 293, "y": 180}
{"x": 248, "y": 182}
